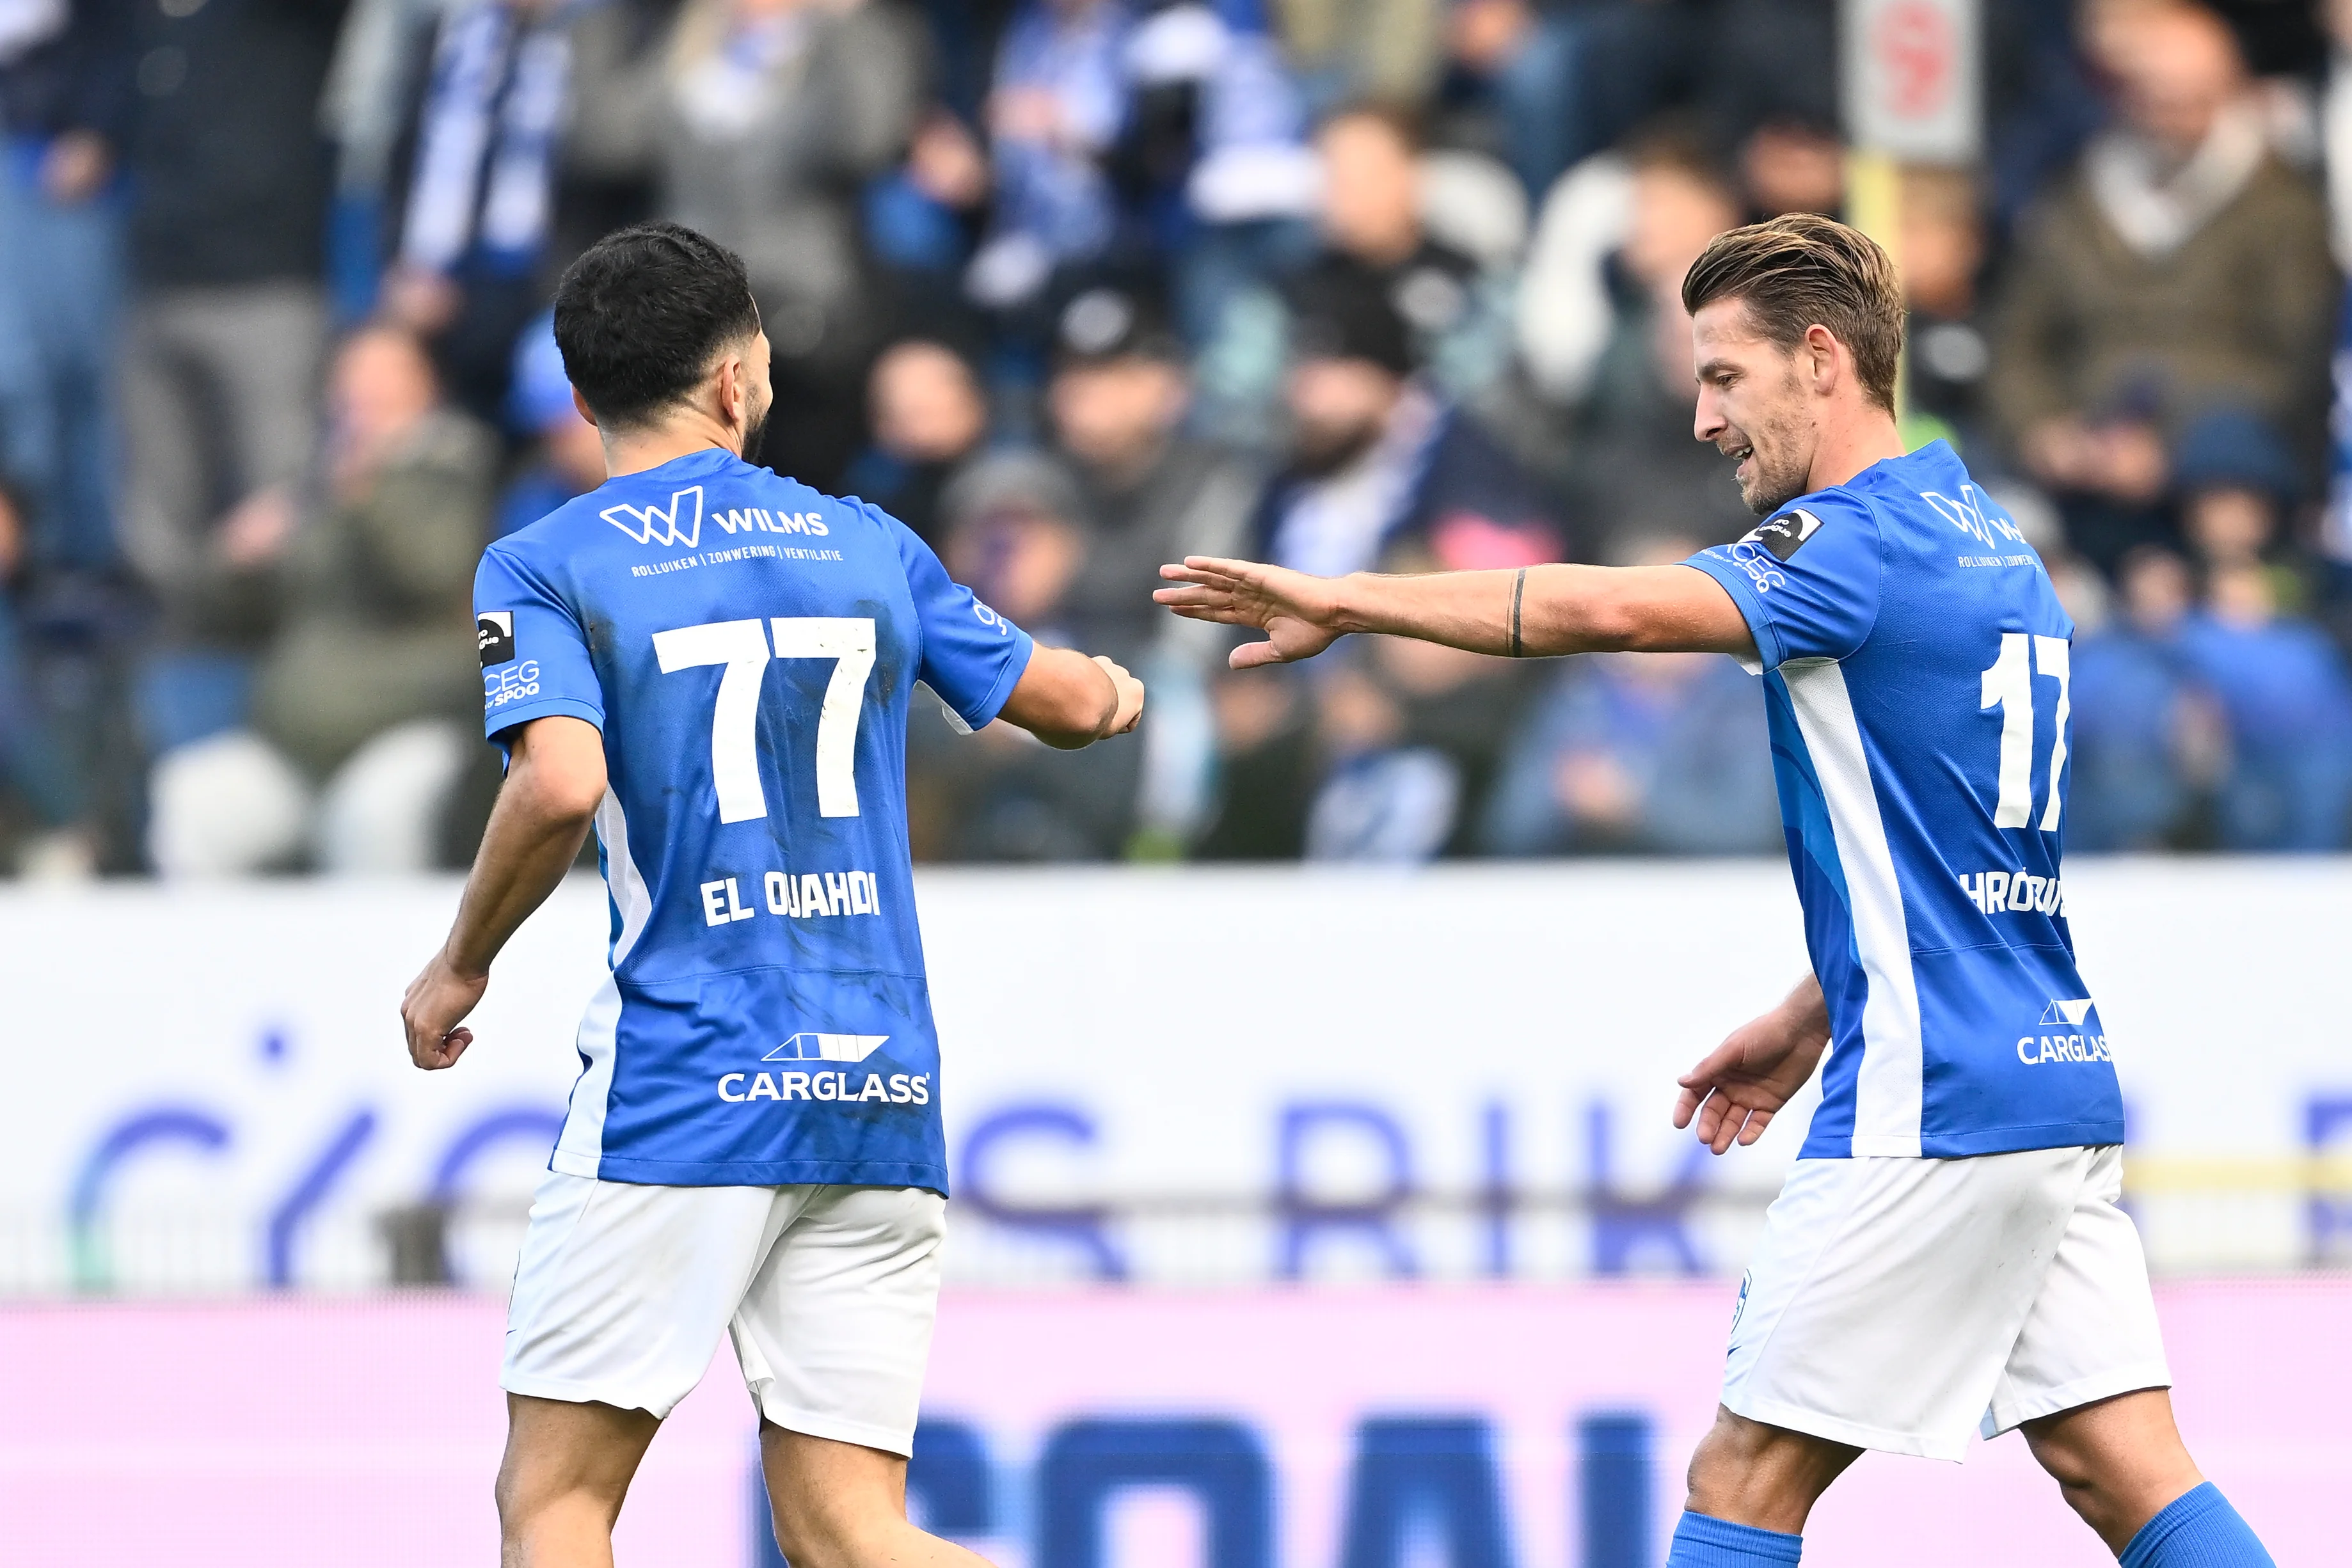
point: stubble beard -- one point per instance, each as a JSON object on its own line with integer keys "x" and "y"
{"x": 1774, "y": 485}
{"x": 755, "y": 431}
{"x": 1780, "y": 475}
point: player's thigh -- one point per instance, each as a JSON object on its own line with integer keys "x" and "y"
{"x": 560, "y": 1450}
{"x": 820, "y": 1490}
{"x": 622, "y": 1289}
{"x": 2092, "y": 1333}
{"x": 1886, "y": 1293}
{"x": 835, "y": 1330}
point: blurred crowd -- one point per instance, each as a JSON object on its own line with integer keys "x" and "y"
{"x": 1075, "y": 286}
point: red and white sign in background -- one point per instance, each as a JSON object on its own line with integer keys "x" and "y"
{"x": 1914, "y": 80}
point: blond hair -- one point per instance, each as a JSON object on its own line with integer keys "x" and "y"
{"x": 1802, "y": 271}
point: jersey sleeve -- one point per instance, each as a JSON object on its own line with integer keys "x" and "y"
{"x": 534, "y": 654}
{"x": 1807, "y": 580}
{"x": 973, "y": 657}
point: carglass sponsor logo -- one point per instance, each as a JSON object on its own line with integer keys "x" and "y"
{"x": 839, "y": 1088}
{"x": 820, "y": 1083}
{"x": 810, "y": 1046}
{"x": 2077, "y": 1038}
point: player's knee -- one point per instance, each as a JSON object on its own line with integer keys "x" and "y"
{"x": 2114, "y": 1486}
{"x": 2069, "y": 1463}
{"x": 535, "y": 1497}
{"x": 520, "y": 1496}
{"x": 2088, "y": 1489}
{"x": 1750, "y": 1473}
{"x": 1722, "y": 1468}
{"x": 822, "y": 1536}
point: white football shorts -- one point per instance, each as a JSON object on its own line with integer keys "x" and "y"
{"x": 829, "y": 1293}
{"x": 1900, "y": 1303}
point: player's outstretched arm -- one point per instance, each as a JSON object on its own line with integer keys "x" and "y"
{"x": 554, "y": 783}
{"x": 1067, "y": 700}
{"x": 1744, "y": 1081}
{"x": 1534, "y": 612}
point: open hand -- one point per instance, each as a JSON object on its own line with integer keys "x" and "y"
{"x": 1299, "y": 614}
{"x": 436, "y": 999}
{"x": 1744, "y": 1081}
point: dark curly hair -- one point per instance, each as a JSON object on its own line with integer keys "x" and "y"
{"x": 641, "y": 316}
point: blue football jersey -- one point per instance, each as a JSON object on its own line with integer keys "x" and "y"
{"x": 1915, "y": 660}
{"x": 749, "y": 648}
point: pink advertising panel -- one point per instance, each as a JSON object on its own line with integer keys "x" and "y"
{"x": 1518, "y": 1427}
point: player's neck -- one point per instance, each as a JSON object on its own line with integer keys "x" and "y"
{"x": 1852, "y": 442}
{"x": 635, "y": 451}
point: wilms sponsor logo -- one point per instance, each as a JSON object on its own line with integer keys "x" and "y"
{"x": 1976, "y": 514}
{"x": 751, "y": 519}
{"x": 679, "y": 524}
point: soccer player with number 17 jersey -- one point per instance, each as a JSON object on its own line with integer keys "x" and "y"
{"x": 1948, "y": 1253}
{"x": 714, "y": 665}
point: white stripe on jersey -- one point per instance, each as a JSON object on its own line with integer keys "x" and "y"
{"x": 636, "y": 904}
{"x": 1887, "y": 1090}
{"x": 581, "y": 1149}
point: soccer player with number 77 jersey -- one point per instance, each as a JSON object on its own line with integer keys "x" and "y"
{"x": 1948, "y": 1253}
{"x": 714, "y": 665}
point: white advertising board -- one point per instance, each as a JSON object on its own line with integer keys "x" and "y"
{"x": 1324, "y": 1045}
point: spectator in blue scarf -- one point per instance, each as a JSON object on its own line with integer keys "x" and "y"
{"x": 775, "y": 116}
{"x": 481, "y": 195}
{"x": 1058, "y": 106}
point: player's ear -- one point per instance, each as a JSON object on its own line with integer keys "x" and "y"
{"x": 1821, "y": 348}
{"x": 580, "y": 406}
{"x": 734, "y": 390}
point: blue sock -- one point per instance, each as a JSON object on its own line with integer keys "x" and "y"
{"x": 1703, "y": 1542}
{"x": 2198, "y": 1529}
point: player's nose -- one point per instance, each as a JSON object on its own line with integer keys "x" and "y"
{"x": 1707, "y": 418}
